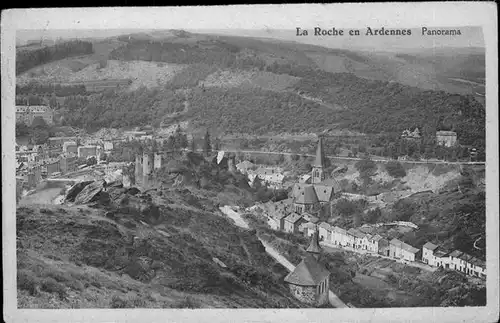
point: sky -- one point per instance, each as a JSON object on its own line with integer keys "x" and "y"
{"x": 275, "y": 21}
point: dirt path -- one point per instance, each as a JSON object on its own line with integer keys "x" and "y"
{"x": 335, "y": 301}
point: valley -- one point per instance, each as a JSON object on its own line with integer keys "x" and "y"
{"x": 175, "y": 169}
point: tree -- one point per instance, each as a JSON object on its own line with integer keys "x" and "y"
{"x": 39, "y": 122}
{"x": 207, "y": 146}
{"x": 91, "y": 161}
{"x": 40, "y": 136}
{"x": 395, "y": 169}
{"x": 22, "y": 129}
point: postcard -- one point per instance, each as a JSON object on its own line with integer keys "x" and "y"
{"x": 253, "y": 163}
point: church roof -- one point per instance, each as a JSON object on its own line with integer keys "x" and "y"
{"x": 314, "y": 245}
{"x": 309, "y": 272}
{"x": 333, "y": 183}
{"x": 319, "y": 154}
{"x": 323, "y": 192}
{"x": 306, "y": 195}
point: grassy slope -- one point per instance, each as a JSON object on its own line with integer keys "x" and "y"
{"x": 138, "y": 261}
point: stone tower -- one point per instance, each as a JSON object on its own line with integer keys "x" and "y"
{"x": 157, "y": 161}
{"x": 318, "y": 174}
{"x": 147, "y": 168}
{"x": 138, "y": 169}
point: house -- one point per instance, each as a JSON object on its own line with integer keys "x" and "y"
{"x": 428, "y": 253}
{"x": 395, "y": 247}
{"x": 442, "y": 258}
{"x": 244, "y": 166}
{"x": 277, "y": 220}
{"x": 325, "y": 231}
{"x": 26, "y": 114}
{"x": 70, "y": 147}
{"x": 59, "y": 141}
{"x": 446, "y": 138}
{"x": 383, "y": 246}
{"x": 358, "y": 237}
{"x": 408, "y": 252}
{"x": 309, "y": 281}
{"x": 308, "y": 228}
{"x": 466, "y": 260}
{"x": 399, "y": 249}
{"x": 292, "y": 222}
{"x": 108, "y": 145}
{"x": 87, "y": 151}
{"x": 276, "y": 213}
{"x": 455, "y": 262}
{"x": 479, "y": 267}
{"x": 310, "y": 218}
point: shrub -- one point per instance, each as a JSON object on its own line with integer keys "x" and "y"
{"x": 58, "y": 276}
{"x": 75, "y": 285}
{"x": 395, "y": 169}
{"x": 26, "y": 281}
{"x": 119, "y": 302}
{"x": 50, "y": 285}
{"x": 188, "y": 302}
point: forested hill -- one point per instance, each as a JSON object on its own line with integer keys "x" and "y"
{"x": 29, "y": 58}
{"x": 252, "y": 85}
{"x": 364, "y": 105}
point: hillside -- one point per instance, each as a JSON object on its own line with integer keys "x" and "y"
{"x": 166, "y": 248}
{"x": 271, "y": 83}
{"x": 141, "y": 73}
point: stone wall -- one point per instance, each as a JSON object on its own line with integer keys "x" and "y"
{"x": 305, "y": 294}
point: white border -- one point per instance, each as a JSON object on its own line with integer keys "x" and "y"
{"x": 451, "y": 14}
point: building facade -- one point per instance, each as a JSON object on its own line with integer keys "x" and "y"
{"x": 446, "y": 138}
{"x": 26, "y": 114}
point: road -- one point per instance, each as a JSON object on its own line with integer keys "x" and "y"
{"x": 354, "y": 158}
{"x": 335, "y": 301}
{"x": 365, "y": 252}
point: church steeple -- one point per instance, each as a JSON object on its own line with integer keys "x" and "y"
{"x": 314, "y": 247}
{"x": 317, "y": 167}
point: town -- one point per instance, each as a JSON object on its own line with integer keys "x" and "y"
{"x": 174, "y": 169}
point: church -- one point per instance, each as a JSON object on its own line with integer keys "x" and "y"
{"x": 309, "y": 197}
{"x": 309, "y": 281}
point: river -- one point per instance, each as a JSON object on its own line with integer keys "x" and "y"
{"x": 335, "y": 301}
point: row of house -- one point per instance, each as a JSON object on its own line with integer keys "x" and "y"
{"x": 437, "y": 256}
{"x": 281, "y": 217}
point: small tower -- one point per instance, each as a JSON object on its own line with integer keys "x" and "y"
{"x": 138, "y": 169}
{"x": 314, "y": 248}
{"x": 309, "y": 281}
{"x": 157, "y": 162}
{"x": 318, "y": 174}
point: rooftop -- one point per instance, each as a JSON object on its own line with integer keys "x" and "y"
{"x": 293, "y": 217}
{"x": 306, "y": 195}
{"x": 314, "y": 244}
{"x": 455, "y": 253}
{"x": 356, "y": 233}
{"x": 309, "y": 272}
{"x": 429, "y": 246}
